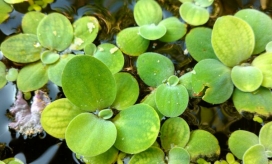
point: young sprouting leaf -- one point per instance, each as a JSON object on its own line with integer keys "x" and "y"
{"x": 255, "y": 154}
{"x": 193, "y": 14}
{"x": 98, "y": 135}
{"x": 130, "y": 42}
{"x": 147, "y": 12}
{"x": 57, "y": 115}
{"x": 240, "y": 141}
{"x": 85, "y": 31}
{"x": 230, "y": 158}
{"x": 264, "y": 63}
{"x": 153, "y": 68}
{"x": 246, "y": 78}
{"x": 111, "y": 56}
{"x": 174, "y": 132}
{"x": 202, "y": 144}
{"x": 38, "y": 77}
{"x": 127, "y": 91}
{"x": 173, "y": 80}
{"x": 178, "y": 155}
{"x": 151, "y": 155}
{"x": 232, "y": 51}
{"x": 12, "y": 74}
{"x": 88, "y": 83}
{"x": 152, "y": 31}
{"x": 4, "y": 12}
{"x": 175, "y": 29}
{"x": 105, "y": 114}
{"x": 49, "y": 57}
{"x": 259, "y": 101}
{"x": 212, "y": 79}
{"x": 137, "y": 128}
{"x": 90, "y": 49}
{"x": 203, "y": 3}
{"x": 3, "y": 79}
{"x": 55, "y": 32}
{"x": 261, "y": 24}
{"x": 22, "y": 48}
{"x": 199, "y": 44}
{"x": 171, "y": 100}
{"x": 264, "y": 136}
{"x": 31, "y": 21}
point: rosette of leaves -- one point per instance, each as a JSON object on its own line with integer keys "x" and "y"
{"x": 249, "y": 147}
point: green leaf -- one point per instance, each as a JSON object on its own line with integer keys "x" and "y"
{"x": 111, "y": 56}
{"x": 3, "y": 80}
{"x": 109, "y": 157}
{"x": 254, "y": 155}
{"x": 246, "y": 78}
{"x": 14, "y": 1}
{"x": 193, "y": 14}
{"x": 240, "y": 141}
{"x": 178, "y": 155}
{"x": 147, "y": 12}
{"x": 57, "y": 115}
{"x": 264, "y": 136}
{"x": 175, "y": 29}
{"x": 90, "y": 49}
{"x": 152, "y": 31}
{"x": 268, "y": 47}
{"x": 230, "y": 158}
{"x": 12, "y": 74}
{"x": 55, "y": 32}
{"x": 90, "y": 136}
{"x": 85, "y": 31}
{"x": 151, "y": 155}
{"x": 137, "y": 128}
{"x": 127, "y": 91}
{"x": 264, "y": 63}
{"x": 22, "y": 48}
{"x": 153, "y": 68}
{"x": 49, "y": 57}
{"x": 13, "y": 161}
{"x": 261, "y": 24}
{"x": 204, "y": 3}
{"x": 4, "y": 11}
{"x": 173, "y": 80}
{"x": 171, "y": 100}
{"x": 259, "y": 101}
{"x": 199, "y": 44}
{"x": 32, "y": 77}
{"x": 232, "y": 40}
{"x": 186, "y": 81}
{"x": 174, "y": 132}
{"x": 88, "y": 83}
{"x": 212, "y": 79}
{"x": 202, "y": 144}
{"x": 130, "y": 42}
{"x": 31, "y": 21}
{"x": 105, "y": 114}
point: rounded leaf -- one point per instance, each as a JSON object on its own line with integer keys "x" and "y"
{"x": 88, "y": 83}
{"x": 264, "y": 136}
{"x": 31, "y": 21}
{"x": 49, "y": 57}
{"x": 174, "y": 132}
{"x": 151, "y": 155}
{"x": 171, "y": 100}
{"x": 130, "y": 42}
{"x": 109, "y": 157}
{"x": 57, "y": 115}
{"x": 105, "y": 113}
{"x": 90, "y": 136}
{"x": 178, "y": 155}
{"x": 90, "y": 49}
{"x": 246, "y": 78}
{"x": 152, "y": 31}
{"x": 186, "y": 81}
{"x": 3, "y": 79}
{"x": 193, "y": 14}
{"x": 255, "y": 154}
{"x": 55, "y": 32}
{"x": 137, "y": 128}
{"x": 22, "y": 48}
{"x": 12, "y": 74}
{"x": 153, "y": 68}
{"x": 232, "y": 51}
{"x": 240, "y": 141}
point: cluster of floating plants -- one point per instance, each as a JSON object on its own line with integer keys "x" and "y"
{"x": 103, "y": 118}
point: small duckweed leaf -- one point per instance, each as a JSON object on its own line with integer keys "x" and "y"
{"x": 152, "y": 31}
{"x": 32, "y": 77}
{"x": 86, "y": 128}
{"x": 3, "y": 80}
{"x": 22, "y": 48}
{"x": 31, "y": 21}
{"x": 131, "y": 42}
{"x": 228, "y": 50}
{"x": 264, "y": 136}
{"x": 261, "y": 24}
{"x": 175, "y": 29}
{"x": 90, "y": 49}
{"x": 255, "y": 154}
{"x": 230, "y": 158}
{"x": 49, "y": 57}
{"x": 240, "y": 141}
{"x": 151, "y": 155}
{"x": 203, "y": 3}
{"x": 153, "y": 68}
{"x": 55, "y": 32}
{"x": 88, "y": 83}
{"x": 57, "y": 115}
{"x": 109, "y": 157}
{"x": 111, "y": 56}
{"x": 137, "y": 128}
{"x": 55, "y": 70}
{"x": 127, "y": 91}
{"x": 4, "y": 12}
{"x": 12, "y": 74}
{"x": 174, "y": 132}
{"x": 147, "y": 12}
{"x": 202, "y": 144}
{"x": 200, "y": 48}
{"x": 193, "y": 14}
{"x": 178, "y": 155}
